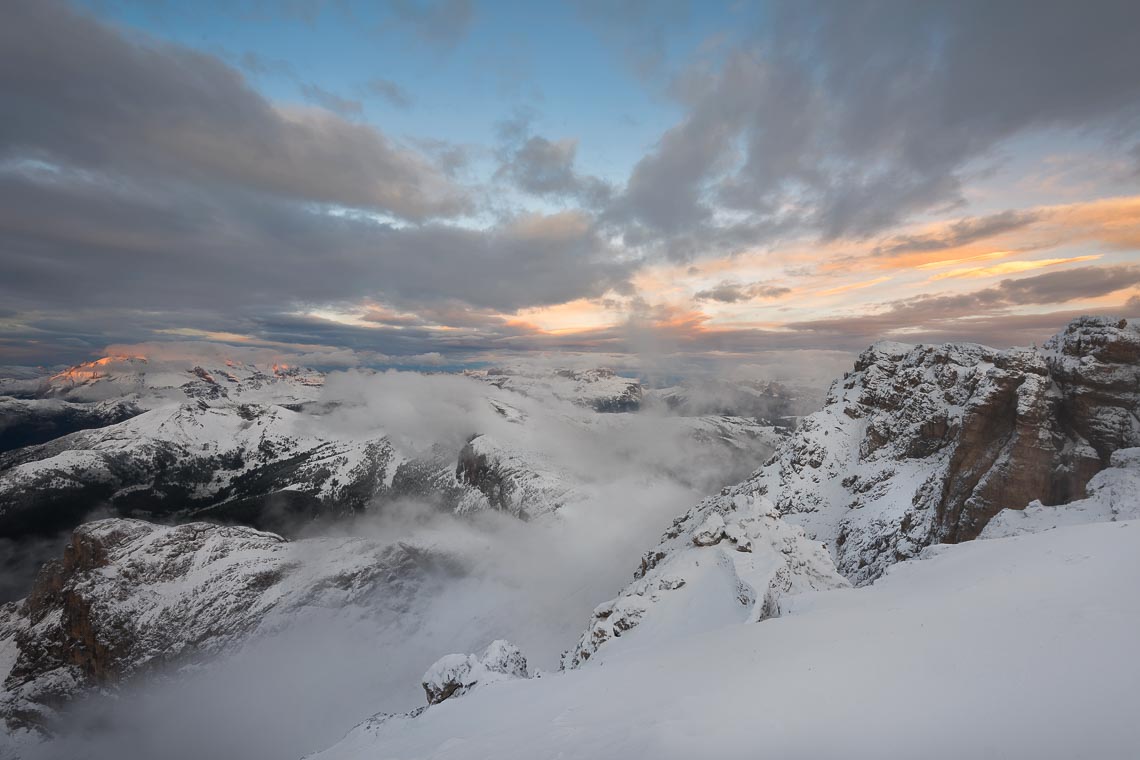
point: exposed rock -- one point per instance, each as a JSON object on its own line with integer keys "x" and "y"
{"x": 455, "y": 674}
{"x": 1113, "y": 495}
{"x": 711, "y": 530}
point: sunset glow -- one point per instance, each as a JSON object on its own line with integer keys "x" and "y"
{"x": 736, "y": 186}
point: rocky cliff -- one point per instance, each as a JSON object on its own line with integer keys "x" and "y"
{"x": 925, "y": 444}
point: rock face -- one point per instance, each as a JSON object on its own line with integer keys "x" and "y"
{"x": 1113, "y": 495}
{"x": 512, "y": 481}
{"x": 456, "y": 674}
{"x": 925, "y": 444}
{"x": 129, "y": 596}
{"x": 729, "y": 559}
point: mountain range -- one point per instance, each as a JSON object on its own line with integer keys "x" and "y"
{"x": 886, "y": 563}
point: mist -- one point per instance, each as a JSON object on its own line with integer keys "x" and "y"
{"x": 535, "y": 583}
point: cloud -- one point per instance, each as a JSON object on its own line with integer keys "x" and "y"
{"x": 734, "y": 292}
{"x": 330, "y": 101}
{"x": 1009, "y": 267}
{"x": 389, "y": 91}
{"x": 79, "y": 94}
{"x": 958, "y": 234}
{"x": 179, "y": 198}
{"x": 544, "y": 167}
{"x": 844, "y": 119}
{"x": 952, "y": 310}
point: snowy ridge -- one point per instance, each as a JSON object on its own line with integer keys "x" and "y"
{"x": 729, "y": 560}
{"x": 157, "y": 382}
{"x": 265, "y": 448}
{"x": 196, "y": 456}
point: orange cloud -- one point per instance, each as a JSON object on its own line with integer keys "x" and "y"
{"x": 852, "y": 286}
{"x": 1009, "y": 267}
{"x": 952, "y": 262}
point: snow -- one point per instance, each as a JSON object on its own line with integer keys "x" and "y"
{"x": 1016, "y": 647}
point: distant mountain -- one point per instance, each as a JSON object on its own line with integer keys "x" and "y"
{"x": 246, "y": 444}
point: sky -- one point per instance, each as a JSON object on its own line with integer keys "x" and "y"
{"x": 447, "y": 182}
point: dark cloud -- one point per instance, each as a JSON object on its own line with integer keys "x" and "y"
{"x": 390, "y": 91}
{"x": 78, "y": 93}
{"x": 859, "y": 115}
{"x": 331, "y": 101}
{"x": 81, "y": 244}
{"x": 960, "y": 233}
{"x": 543, "y": 167}
{"x": 734, "y": 292}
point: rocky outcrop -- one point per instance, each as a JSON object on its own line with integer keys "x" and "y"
{"x": 521, "y": 484}
{"x": 129, "y": 596}
{"x": 456, "y": 674}
{"x": 729, "y": 559}
{"x": 925, "y": 444}
{"x": 1113, "y": 495}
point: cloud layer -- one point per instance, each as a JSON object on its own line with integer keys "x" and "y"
{"x": 831, "y": 169}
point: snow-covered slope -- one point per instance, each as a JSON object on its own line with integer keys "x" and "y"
{"x": 1017, "y": 647}
{"x": 731, "y": 559}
